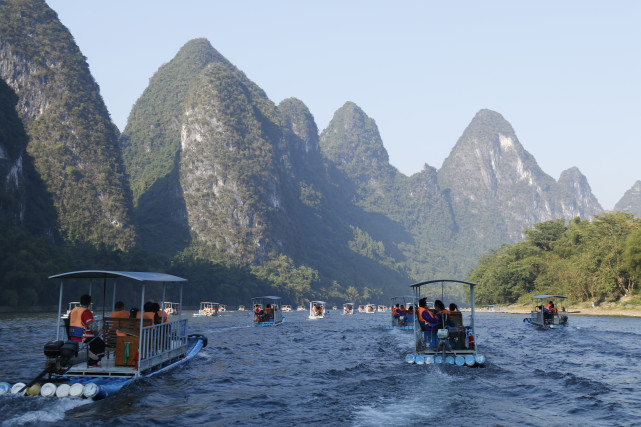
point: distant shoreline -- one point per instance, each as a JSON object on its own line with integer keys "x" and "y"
{"x": 573, "y": 311}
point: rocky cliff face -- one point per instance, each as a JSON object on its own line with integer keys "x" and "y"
{"x": 13, "y": 144}
{"x": 228, "y": 165}
{"x": 631, "y": 200}
{"x": 497, "y": 188}
{"x": 203, "y": 147}
{"x": 72, "y": 141}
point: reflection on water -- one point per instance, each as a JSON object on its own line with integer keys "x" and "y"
{"x": 350, "y": 369}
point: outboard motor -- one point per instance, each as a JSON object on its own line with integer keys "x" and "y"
{"x": 60, "y": 355}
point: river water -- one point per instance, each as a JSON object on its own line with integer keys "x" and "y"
{"x": 350, "y": 370}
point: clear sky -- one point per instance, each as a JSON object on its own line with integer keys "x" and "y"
{"x": 565, "y": 74}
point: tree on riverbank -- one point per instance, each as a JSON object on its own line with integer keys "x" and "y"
{"x": 596, "y": 261}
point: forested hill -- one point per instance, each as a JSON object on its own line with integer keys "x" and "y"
{"x": 213, "y": 181}
{"x": 72, "y": 142}
{"x": 593, "y": 261}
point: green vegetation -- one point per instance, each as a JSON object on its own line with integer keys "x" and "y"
{"x": 589, "y": 261}
{"x": 72, "y": 141}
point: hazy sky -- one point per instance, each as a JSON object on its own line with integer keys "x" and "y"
{"x": 565, "y": 74}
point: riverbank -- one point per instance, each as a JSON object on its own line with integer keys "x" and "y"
{"x": 579, "y": 311}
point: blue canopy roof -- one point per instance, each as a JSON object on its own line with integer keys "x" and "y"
{"x": 141, "y": 276}
{"x": 267, "y": 297}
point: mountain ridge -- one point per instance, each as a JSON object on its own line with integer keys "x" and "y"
{"x": 209, "y": 168}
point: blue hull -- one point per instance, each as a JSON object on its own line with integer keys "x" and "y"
{"x": 529, "y": 322}
{"x": 111, "y": 385}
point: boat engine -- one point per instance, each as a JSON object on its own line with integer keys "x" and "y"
{"x": 60, "y": 355}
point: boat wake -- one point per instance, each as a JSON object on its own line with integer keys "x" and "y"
{"x": 406, "y": 411}
{"x": 50, "y": 410}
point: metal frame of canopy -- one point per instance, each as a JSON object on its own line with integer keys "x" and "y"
{"x": 423, "y": 354}
{"x": 273, "y": 301}
{"x": 404, "y": 300}
{"x": 313, "y": 304}
{"x": 142, "y": 277}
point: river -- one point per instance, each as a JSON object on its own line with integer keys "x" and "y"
{"x": 350, "y": 370}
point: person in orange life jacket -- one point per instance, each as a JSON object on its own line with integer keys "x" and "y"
{"x": 429, "y": 322}
{"x": 402, "y": 315}
{"x": 148, "y": 311}
{"x": 160, "y": 316}
{"x": 82, "y": 328}
{"x": 269, "y": 312}
{"x": 549, "y": 311}
{"x": 453, "y": 309}
{"x": 258, "y": 313}
{"x": 120, "y": 313}
{"x": 442, "y": 313}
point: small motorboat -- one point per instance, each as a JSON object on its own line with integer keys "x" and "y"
{"x": 370, "y": 308}
{"x": 402, "y": 309}
{"x": 207, "y": 309}
{"x": 549, "y": 312}
{"x": 300, "y": 308}
{"x": 287, "y": 308}
{"x": 171, "y": 308}
{"x": 241, "y": 308}
{"x": 382, "y": 309}
{"x": 361, "y": 309}
{"x": 348, "y": 308}
{"x": 454, "y": 340}
{"x": 267, "y": 311}
{"x": 317, "y": 310}
{"x": 134, "y": 348}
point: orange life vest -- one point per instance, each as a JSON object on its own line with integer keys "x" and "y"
{"x": 420, "y": 314}
{"x": 78, "y": 330}
{"x": 122, "y": 314}
{"x": 146, "y": 315}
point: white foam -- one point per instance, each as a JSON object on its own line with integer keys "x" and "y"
{"x": 55, "y": 411}
{"x": 404, "y": 412}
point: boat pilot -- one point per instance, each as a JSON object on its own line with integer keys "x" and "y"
{"x": 429, "y": 322}
{"x": 82, "y": 328}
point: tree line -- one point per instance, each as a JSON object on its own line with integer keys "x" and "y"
{"x": 589, "y": 261}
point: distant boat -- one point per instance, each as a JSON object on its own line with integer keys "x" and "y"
{"x": 361, "y": 309}
{"x": 382, "y": 308}
{"x": 370, "y": 308}
{"x": 548, "y": 312}
{"x": 300, "y": 308}
{"x": 207, "y": 309}
{"x": 403, "y": 315}
{"x": 171, "y": 308}
{"x": 348, "y": 308}
{"x": 287, "y": 308}
{"x": 241, "y": 308}
{"x": 267, "y": 311}
{"x": 317, "y": 310}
